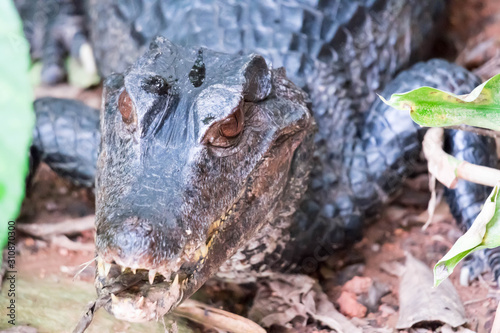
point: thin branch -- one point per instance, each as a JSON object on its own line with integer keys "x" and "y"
{"x": 216, "y": 318}
{"x": 66, "y": 243}
{"x": 477, "y": 300}
{"x": 68, "y": 227}
{"x": 89, "y": 313}
{"x": 486, "y": 71}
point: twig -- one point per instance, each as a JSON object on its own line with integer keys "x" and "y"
{"x": 88, "y": 315}
{"x": 484, "y": 282}
{"x": 479, "y": 300}
{"x": 65, "y": 242}
{"x": 189, "y": 309}
{"x": 496, "y": 323}
{"x": 448, "y": 169}
{"x": 477, "y": 130}
{"x": 489, "y": 67}
{"x": 212, "y": 317}
{"x": 68, "y": 227}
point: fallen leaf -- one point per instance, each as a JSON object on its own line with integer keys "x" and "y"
{"x": 420, "y": 302}
{"x": 283, "y": 299}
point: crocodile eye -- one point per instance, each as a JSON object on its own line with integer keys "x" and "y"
{"x": 231, "y": 126}
{"x": 126, "y": 107}
{"x": 225, "y": 132}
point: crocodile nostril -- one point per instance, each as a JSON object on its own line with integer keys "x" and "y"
{"x": 140, "y": 242}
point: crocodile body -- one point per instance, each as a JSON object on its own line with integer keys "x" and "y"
{"x": 171, "y": 199}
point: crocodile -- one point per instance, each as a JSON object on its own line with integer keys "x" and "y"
{"x": 242, "y": 138}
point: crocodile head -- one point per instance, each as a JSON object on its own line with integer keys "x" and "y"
{"x": 196, "y": 151}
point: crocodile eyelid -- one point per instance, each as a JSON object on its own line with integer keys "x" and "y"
{"x": 126, "y": 107}
{"x": 224, "y": 132}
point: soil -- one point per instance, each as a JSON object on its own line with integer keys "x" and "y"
{"x": 471, "y": 35}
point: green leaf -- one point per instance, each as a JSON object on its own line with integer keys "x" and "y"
{"x": 435, "y": 108}
{"x": 484, "y": 233}
{"x": 16, "y": 112}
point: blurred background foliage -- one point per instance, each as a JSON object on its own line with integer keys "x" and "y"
{"x": 17, "y": 117}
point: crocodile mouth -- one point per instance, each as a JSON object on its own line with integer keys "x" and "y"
{"x": 137, "y": 294}
{"x": 131, "y": 297}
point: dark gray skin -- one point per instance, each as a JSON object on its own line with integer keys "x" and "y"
{"x": 202, "y": 176}
{"x": 54, "y": 29}
{"x": 171, "y": 200}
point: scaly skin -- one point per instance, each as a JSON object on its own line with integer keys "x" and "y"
{"x": 386, "y": 151}
{"x": 66, "y": 137}
{"x": 164, "y": 191}
{"x": 54, "y": 28}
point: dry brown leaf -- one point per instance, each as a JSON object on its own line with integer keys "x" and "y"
{"x": 284, "y": 300}
{"x": 420, "y": 302}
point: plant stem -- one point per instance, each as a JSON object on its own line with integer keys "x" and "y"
{"x": 448, "y": 169}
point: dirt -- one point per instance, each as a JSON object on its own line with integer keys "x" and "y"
{"x": 472, "y": 35}
{"x": 389, "y": 239}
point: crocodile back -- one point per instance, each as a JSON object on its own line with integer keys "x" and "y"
{"x": 342, "y": 52}
{"x": 295, "y": 34}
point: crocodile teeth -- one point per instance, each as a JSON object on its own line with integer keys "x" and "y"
{"x": 175, "y": 283}
{"x": 140, "y": 302}
{"x": 114, "y": 299}
{"x": 151, "y": 276}
{"x": 134, "y": 270}
{"x": 100, "y": 267}
{"x": 123, "y": 269}
{"x": 107, "y": 268}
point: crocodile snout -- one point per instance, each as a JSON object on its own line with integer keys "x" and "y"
{"x": 139, "y": 243}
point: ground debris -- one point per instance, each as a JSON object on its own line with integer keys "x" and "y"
{"x": 358, "y": 285}
{"x": 67, "y": 227}
{"x": 216, "y": 318}
{"x": 420, "y": 302}
{"x": 393, "y": 268}
{"x": 349, "y": 306}
{"x": 371, "y": 299}
{"x": 289, "y": 301}
{"x": 88, "y": 315}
